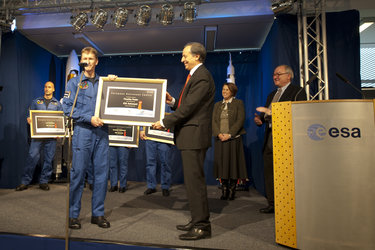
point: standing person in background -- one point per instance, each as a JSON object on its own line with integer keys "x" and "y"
{"x": 47, "y": 102}
{"x": 118, "y": 168}
{"x": 90, "y": 142}
{"x": 282, "y": 78}
{"x": 155, "y": 150}
{"x": 227, "y": 127}
{"x": 192, "y": 126}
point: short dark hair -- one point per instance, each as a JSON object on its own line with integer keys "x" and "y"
{"x": 197, "y": 49}
{"x": 89, "y": 50}
{"x": 232, "y": 87}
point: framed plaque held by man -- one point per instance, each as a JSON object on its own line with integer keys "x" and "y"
{"x": 131, "y": 101}
{"x": 47, "y": 124}
{"x": 123, "y": 135}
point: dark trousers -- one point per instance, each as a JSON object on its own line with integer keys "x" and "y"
{"x": 195, "y": 183}
{"x": 268, "y": 170}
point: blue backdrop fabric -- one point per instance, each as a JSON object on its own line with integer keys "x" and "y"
{"x": 25, "y": 67}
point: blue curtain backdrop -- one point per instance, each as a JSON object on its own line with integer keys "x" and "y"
{"x": 25, "y": 67}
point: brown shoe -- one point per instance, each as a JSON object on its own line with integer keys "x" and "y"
{"x": 22, "y": 187}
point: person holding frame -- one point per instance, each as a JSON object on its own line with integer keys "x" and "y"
{"x": 46, "y": 102}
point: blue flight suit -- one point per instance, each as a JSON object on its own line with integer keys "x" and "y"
{"x": 118, "y": 165}
{"x": 49, "y": 146}
{"x": 90, "y": 146}
{"x": 153, "y": 150}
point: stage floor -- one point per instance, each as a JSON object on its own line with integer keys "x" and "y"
{"x": 139, "y": 219}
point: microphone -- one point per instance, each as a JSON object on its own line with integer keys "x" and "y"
{"x": 83, "y": 64}
{"x": 307, "y": 84}
{"x": 347, "y": 81}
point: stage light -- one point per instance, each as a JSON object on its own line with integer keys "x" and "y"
{"x": 100, "y": 19}
{"x": 144, "y": 15}
{"x": 282, "y": 7}
{"x": 120, "y": 17}
{"x": 189, "y": 13}
{"x": 79, "y": 21}
{"x": 166, "y": 14}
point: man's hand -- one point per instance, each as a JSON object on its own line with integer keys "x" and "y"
{"x": 142, "y": 134}
{"x": 267, "y": 111}
{"x": 224, "y": 137}
{"x": 28, "y": 120}
{"x": 112, "y": 77}
{"x": 96, "y": 121}
{"x": 257, "y": 119}
{"x": 157, "y": 125}
{"x": 168, "y": 98}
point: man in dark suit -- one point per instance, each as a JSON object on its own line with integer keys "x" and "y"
{"x": 282, "y": 78}
{"x": 191, "y": 122}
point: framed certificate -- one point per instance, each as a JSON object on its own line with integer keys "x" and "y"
{"x": 159, "y": 135}
{"x": 47, "y": 124}
{"x": 123, "y": 135}
{"x": 131, "y": 101}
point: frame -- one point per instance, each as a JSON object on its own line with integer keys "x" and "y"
{"x": 131, "y": 101}
{"x": 159, "y": 135}
{"x": 123, "y": 135}
{"x": 47, "y": 124}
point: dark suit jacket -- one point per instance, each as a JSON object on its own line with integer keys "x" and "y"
{"x": 236, "y": 118}
{"x": 192, "y": 120}
{"x": 288, "y": 95}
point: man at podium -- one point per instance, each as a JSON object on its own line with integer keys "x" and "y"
{"x": 286, "y": 91}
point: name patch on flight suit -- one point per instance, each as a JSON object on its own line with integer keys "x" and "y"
{"x": 84, "y": 85}
{"x": 67, "y": 94}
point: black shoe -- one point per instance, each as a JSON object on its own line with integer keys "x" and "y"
{"x": 197, "y": 233}
{"x": 165, "y": 192}
{"x": 122, "y": 189}
{"x": 100, "y": 221}
{"x": 267, "y": 210}
{"x": 44, "y": 186}
{"x": 21, "y": 187}
{"x": 113, "y": 189}
{"x": 74, "y": 223}
{"x": 150, "y": 191}
{"x": 186, "y": 227}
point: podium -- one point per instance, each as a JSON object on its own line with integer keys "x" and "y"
{"x": 324, "y": 174}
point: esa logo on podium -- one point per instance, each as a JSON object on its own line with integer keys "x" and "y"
{"x": 318, "y": 132}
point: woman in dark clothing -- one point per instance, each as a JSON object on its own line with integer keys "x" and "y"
{"x": 227, "y": 127}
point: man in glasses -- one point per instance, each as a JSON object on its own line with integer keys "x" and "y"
{"x": 282, "y": 78}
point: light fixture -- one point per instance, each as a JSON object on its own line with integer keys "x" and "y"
{"x": 282, "y": 6}
{"x": 13, "y": 24}
{"x": 120, "y": 17}
{"x": 79, "y": 21}
{"x": 189, "y": 13}
{"x": 144, "y": 15}
{"x": 364, "y": 26}
{"x": 100, "y": 19}
{"x": 166, "y": 14}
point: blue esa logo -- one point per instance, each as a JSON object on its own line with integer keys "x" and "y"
{"x": 317, "y": 132}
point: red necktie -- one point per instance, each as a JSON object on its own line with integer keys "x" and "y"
{"x": 179, "y": 100}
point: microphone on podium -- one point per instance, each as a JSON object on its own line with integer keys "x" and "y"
{"x": 347, "y": 81}
{"x": 307, "y": 84}
{"x": 82, "y": 64}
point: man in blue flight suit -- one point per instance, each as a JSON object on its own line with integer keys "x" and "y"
{"x": 154, "y": 150}
{"x": 89, "y": 143}
{"x": 118, "y": 168}
{"x": 47, "y": 102}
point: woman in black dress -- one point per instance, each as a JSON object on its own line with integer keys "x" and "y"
{"x": 227, "y": 127}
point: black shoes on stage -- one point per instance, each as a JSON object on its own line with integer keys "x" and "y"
{"x": 195, "y": 231}
{"x": 74, "y": 223}
{"x": 268, "y": 210}
{"x": 150, "y": 191}
{"x": 22, "y": 187}
{"x": 98, "y": 220}
{"x": 113, "y": 189}
{"x": 43, "y": 186}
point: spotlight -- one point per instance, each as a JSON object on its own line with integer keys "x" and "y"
{"x": 100, "y": 19}
{"x": 282, "y": 7}
{"x": 144, "y": 15}
{"x": 79, "y": 21}
{"x": 189, "y": 12}
{"x": 120, "y": 17}
{"x": 166, "y": 14}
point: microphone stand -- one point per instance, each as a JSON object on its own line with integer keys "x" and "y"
{"x": 69, "y": 132}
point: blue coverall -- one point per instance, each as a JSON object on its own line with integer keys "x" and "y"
{"x": 49, "y": 146}
{"x": 118, "y": 165}
{"x": 90, "y": 145}
{"x": 153, "y": 150}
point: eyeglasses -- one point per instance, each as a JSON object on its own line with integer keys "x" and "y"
{"x": 279, "y": 74}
